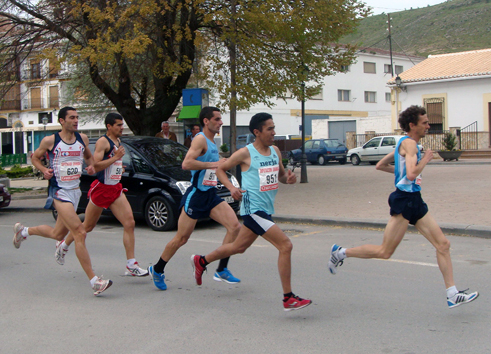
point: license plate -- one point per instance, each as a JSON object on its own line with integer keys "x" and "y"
{"x": 229, "y": 199}
{"x": 1, "y": 198}
{"x": 339, "y": 156}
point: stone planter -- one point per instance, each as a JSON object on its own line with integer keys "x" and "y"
{"x": 224, "y": 154}
{"x": 450, "y": 155}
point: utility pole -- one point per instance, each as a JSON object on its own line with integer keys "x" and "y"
{"x": 390, "y": 47}
{"x": 233, "y": 72}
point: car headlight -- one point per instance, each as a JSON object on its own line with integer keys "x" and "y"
{"x": 234, "y": 181}
{"x": 183, "y": 186}
{"x": 6, "y": 190}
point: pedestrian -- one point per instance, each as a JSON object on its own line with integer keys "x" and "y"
{"x": 67, "y": 150}
{"x": 166, "y": 133}
{"x": 262, "y": 169}
{"x": 195, "y": 129}
{"x": 107, "y": 192}
{"x": 407, "y": 206}
{"x": 200, "y": 199}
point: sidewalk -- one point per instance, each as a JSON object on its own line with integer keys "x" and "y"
{"x": 457, "y": 193}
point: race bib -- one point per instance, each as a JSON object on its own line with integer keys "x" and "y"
{"x": 70, "y": 171}
{"x": 116, "y": 170}
{"x": 210, "y": 178}
{"x": 419, "y": 179}
{"x": 268, "y": 178}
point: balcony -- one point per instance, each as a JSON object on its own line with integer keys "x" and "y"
{"x": 13, "y": 105}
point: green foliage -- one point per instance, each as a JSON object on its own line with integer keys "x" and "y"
{"x": 224, "y": 147}
{"x": 17, "y": 171}
{"x": 451, "y": 26}
{"x": 449, "y": 142}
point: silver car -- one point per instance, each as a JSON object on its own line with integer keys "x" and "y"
{"x": 375, "y": 149}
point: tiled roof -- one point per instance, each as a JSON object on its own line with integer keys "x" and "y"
{"x": 449, "y": 66}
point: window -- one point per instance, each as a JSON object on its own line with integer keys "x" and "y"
{"x": 316, "y": 145}
{"x": 399, "y": 69}
{"x": 345, "y": 68}
{"x": 35, "y": 70}
{"x": 387, "y": 97}
{"x": 370, "y": 97}
{"x": 53, "y": 68}
{"x": 387, "y": 69}
{"x": 344, "y": 95}
{"x": 308, "y": 144}
{"x": 48, "y": 116}
{"x": 36, "y": 97}
{"x": 53, "y": 96}
{"x": 389, "y": 141}
{"x": 435, "y": 109}
{"x": 369, "y": 68}
{"x": 375, "y": 142}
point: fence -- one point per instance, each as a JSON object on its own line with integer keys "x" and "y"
{"x": 469, "y": 137}
{"x": 13, "y": 159}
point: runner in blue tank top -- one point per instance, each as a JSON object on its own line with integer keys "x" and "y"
{"x": 201, "y": 199}
{"x": 262, "y": 170}
{"x": 67, "y": 148}
{"x": 407, "y": 207}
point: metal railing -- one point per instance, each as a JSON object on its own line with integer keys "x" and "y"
{"x": 469, "y": 137}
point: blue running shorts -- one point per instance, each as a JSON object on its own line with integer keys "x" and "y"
{"x": 258, "y": 222}
{"x": 409, "y": 204}
{"x": 197, "y": 204}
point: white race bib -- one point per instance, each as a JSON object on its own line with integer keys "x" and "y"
{"x": 70, "y": 171}
{"x": 419, "y": 179}
{"x": 268, "y": 178}
{"x": 210, "y": 178}
{"x": 116, "y": 170}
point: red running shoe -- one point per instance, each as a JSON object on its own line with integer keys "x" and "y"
{"x": 198, "y": 269}
{"x": 295, "y": 303}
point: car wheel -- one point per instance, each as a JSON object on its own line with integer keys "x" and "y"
{"x": 342, "y": 161}
{"x": 159, "y": 214}
{"x": 321, "y": 160}
{"x": 373, "y": 162}
{"x": 355, "y": 160}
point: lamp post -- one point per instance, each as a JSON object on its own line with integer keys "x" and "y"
{"x": 303, "y": 160}
{"x": 45, "y": 122}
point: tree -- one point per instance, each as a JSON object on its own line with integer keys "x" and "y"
{"x": 140, "y": 54}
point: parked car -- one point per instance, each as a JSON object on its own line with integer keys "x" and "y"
{"x": 155, "y": 180}
{"x": 320, "y": 151}
{"x": 375, "y": 149}
{"x": 5, "y": 197}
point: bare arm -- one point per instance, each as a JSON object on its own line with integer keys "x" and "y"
{"x": 284, "y": 176}
{"x": 101, "y": 147}
{"x": 385, "y": 163}
{"x": 409, "y": 148}
{"x": 198, "y": 147}
{"x": 89, "y": 159}
{"x": 46, "y": 144}
{"x": 239, "y": 157}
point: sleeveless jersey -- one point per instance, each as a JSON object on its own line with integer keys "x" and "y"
{"x": 206, "y": 179}
{"x": 260, "y": 182}
{"x": 66, "y": 161}
{"x": 401, "y": 181}
{"x": 112, "y": 174}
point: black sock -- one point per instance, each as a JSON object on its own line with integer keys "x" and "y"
{"x": 159, "y": 267}
{"x": 202, "y": 261}
{"x": 223, "y": 264}
{"x": 287, "y": 296}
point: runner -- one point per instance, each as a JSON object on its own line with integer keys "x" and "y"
{"x": 201, "y": 200}
{"x": 261, "y": 171}
{"x": 107, "y": 192}
{"x": 66, "y": 150}
{"x": 407, "y": 207}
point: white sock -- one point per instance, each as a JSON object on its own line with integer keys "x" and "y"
{"x": 342, "y": 254}
{"x": 93, "y": 280}
{"x": 130, "y": 262}
{"x": 452, "y": 291}
{"x": 24, "y": 232}
{"x": 64, "y": 245}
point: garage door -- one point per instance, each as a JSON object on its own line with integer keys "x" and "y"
{"x": 337, "y": 130}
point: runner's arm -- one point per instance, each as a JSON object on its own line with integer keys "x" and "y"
{"x": 198, "y": 147}
{"x": 239, "y": 157}
{"x": 46, "y": 144}
{"x": 413, "y": 168}
{"x": 385, "y": 163}
{"x": 285, "y": 177}
{"x": 89, "y": 159}
{"x": 101, "y": 147}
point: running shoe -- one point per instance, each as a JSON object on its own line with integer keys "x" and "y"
{"x": 101, "y": 285}
{"x": 60, "y": 253}
{"x": 225, "y": 276}
{"x": 18, "y": 238}
{"x": 198, "y": 269}
{"x": 136, "y": 271}
{"x": 158, "y": 278}
{"x": 461, "y": 298}
{"x": 334, "y": 261}
{"x": 295, "y": 303}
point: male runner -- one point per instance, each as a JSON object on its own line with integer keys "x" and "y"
{"x": 201, "y": 200}
{"x": 407, "y": 206}
{"x": 66, "y": 150}
{"x": 261, "y": 171}
{"x": 107, "y": 192}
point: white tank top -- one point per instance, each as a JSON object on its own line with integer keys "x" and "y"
{"x": 66, "y": 161}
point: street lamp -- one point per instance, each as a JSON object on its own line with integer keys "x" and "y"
{"x": 303, "y": 160}
{"x": 45, "y": 122}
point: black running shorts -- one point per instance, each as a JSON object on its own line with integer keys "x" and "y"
{"x": 410, "y": 205}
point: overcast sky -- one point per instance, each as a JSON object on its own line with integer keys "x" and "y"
{"x": 389, "y": 6}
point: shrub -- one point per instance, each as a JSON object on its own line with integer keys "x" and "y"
{"x": 224, "y": 147}
{"x": 449, "y": 142}
{"x": 16, "y": 171}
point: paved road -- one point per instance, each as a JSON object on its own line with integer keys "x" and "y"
{"x": 370, "y": 306}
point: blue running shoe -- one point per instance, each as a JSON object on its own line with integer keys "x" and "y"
{"x": 335, "y": 259}
{"x": 225, "y": 276}
{"x": 461, "y": 298}
{"x": 158, "y": 279}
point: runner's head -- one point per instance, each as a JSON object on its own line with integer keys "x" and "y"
{"x": 258, "y": 120}
{"x": 68, "y": 118}
{"x": 111, "y": 119}
{"x": 62, "y": 113}
{"x": 207, "y": 112}
{"x": 114, "y": 124}
{"x": 411, "y": 115}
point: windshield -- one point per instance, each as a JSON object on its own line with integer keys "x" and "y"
{"x": 165, "y": 153}
{"x": 332, "y": 143}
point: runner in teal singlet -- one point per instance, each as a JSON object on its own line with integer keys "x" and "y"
{"x": 407, "y": 207}
{"x": 261, "y": 171}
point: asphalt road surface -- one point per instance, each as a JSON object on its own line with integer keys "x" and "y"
{"x": 370, "y": 306}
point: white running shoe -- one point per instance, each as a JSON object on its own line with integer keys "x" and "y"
{"x": 18, "y": 238}
{"x": 461, "y": 298}
{"x": 60, "y": 253}
{"x": 136, "y": 271}
{"x": 335, "y": 260}
{"x": 101, "y": 285}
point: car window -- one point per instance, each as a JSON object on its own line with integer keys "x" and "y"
{"x": 316, "y": 144}
{"x": 375, "y": 142}
{"x": 308, "y": 144}
{"x": 166, "y": 153}
{"x": 332, "y": 143}
{"x": 389, "y": 141}
{"x": 139, "y": 164}
{"x": 241, "y": 140}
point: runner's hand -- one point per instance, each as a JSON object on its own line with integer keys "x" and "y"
{"x": 428, "y": 156}
{"x": 120, "y": 152}
{"x": 90, "y": 170}
{"x": 48, "y": 173}
{"x": 291, "y": 178}
{"x": 237, "y": 193}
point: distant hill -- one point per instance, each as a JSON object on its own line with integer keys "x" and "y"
{"x": 453, "y": 26}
